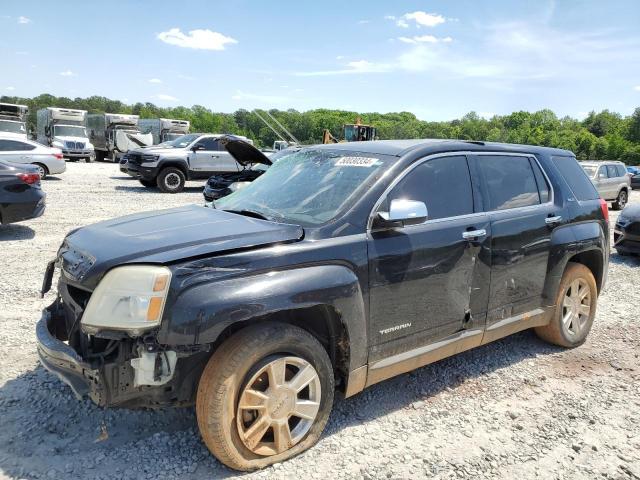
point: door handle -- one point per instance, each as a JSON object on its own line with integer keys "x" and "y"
{"x": 215, "y": 156}
{"x": 470, "y": 235}
{"x": 553, "y": 220}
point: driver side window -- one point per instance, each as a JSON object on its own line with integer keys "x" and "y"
{"x": 443, "y": 184}
{"x": 208, "y": 144}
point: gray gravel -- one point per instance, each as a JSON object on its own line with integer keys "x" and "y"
{"x": 516, "y": 408}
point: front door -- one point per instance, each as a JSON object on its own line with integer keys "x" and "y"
{"x": 212, "y": 157}
{"x": 428, "y": 281}
{"x": 522, "y": 211}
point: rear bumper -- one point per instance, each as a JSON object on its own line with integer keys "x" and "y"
{"x": 20, "y": 211}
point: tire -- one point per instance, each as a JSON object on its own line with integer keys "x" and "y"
{"x": 100, "y": 155}
{"x": 113, "y": 158}
{"x": 574, "y": 333}
{"x": 148, "y": 183}
{"x": 42, "y": 170}
{"x": 621, "y": 200}
{"x": 234, "y": 367}
{"x": 167, "y": 178}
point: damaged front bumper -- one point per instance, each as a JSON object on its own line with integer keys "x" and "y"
{"x": 63, "y": 361}
{"x": 133, "y": 374}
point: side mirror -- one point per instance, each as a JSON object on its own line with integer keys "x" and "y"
{"x": 195, "y": 148}
{"x": 47, "y": 131}
{"x": 402, "y": 213}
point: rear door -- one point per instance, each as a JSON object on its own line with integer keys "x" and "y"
{"x": 519, "y": 202}
{"x": 427, "y": 281}
{"x": 16, "y": 151}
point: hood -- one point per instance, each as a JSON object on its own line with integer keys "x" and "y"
{"x": 128, "y": 140}
{"x": 158, "y": 150}
{"x": 64, "y": 138}
{"x": 631, "y": 212}
{"x": 243, "y": 152}
{"x": 15, "y": 135}
{"x": 165, "y": 236}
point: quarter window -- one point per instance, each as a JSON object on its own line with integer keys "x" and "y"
{"x": 621, "y": 170}
{"x": 443, "y": 184}
{"x": 509, "y": 182}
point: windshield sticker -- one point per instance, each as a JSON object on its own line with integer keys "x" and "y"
{"x": 356, "y": 162}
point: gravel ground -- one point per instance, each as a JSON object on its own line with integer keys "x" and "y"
{"x": 518, "y": 407}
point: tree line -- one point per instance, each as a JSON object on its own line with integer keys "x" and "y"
{"x": 605, "y": 135}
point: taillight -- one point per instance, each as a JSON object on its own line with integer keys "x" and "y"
{"x": 59, "y": 156}
{"x": 605, "y": 210}
{"x": 29, "y": 178}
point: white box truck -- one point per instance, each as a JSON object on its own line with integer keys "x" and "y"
{"x": 13, "y": 120}
{"x": 64, "y": 128}
{"x": 113, "y": 134}
{"x": 163, "y": 129}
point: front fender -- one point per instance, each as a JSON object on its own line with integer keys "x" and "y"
{"x": 203, "y": 311}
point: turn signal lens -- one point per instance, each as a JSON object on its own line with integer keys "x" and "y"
{"x": 155, "y": 307}
{"x": 161, "y": 283}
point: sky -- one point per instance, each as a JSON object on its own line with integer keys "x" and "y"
{"x": 437, "y": 59}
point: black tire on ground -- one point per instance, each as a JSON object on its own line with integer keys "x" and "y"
{"x": 100, "y": 155}
{"x": 43, "y": 170}
{"x": 113, "y": 157}
{"x": 148, "y": 183}
{"x": 621, "y": 200}
{"x": 226, "y": 377}
{"x": 171, "y": 180}
{"x": 88, "y": 159}
{"x": 557, "y": 333}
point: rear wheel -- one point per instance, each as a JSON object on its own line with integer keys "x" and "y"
{"x": 171, "y": 180}
{"x": 100, "y": 155}
{"x": 42, "y": 170}
{"x": 621, "y": 201}
{"x": 575, "y": 308}
{"x": 265, "y": 396}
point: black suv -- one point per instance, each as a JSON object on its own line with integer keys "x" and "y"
{"x": 341, "y": 266}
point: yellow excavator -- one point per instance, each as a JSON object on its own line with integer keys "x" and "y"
{"x": 352, "y": 132}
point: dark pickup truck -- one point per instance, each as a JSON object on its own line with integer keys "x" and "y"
{"x": 341, "y": 266}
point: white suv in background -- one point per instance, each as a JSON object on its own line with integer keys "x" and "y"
{"x": 611, "y": 181}
{"x": 48, "y": 160}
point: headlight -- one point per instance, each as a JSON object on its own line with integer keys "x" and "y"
{"x": 129, "y": 298}
{"x": 149, "y": 158}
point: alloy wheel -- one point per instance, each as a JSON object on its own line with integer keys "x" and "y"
{"x": 622, "y": 199}
{"x": 278, "y": 405}
{"x": 172, "y": 181}
{"x": 576, "y": 307}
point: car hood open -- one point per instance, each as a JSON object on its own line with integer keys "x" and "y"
{"x": 164, "y": 236}
{"x": 243, "y": 152}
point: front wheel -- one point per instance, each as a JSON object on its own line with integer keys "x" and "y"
{"x": 265, "y": 396}
{"x": 575, "y": 308}
{"x": 171, "y": 180}
{"x": 621, "y": 201}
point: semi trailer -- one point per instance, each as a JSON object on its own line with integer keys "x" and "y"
{"x": 163, "y": 129}
{"x": 13, "y": 120}
{"x": 65, "y": 129}
{"x": 113, "y": 134}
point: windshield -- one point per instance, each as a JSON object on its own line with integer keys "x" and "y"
{"x": 69, "y": 131}
{"x": 590, "y": 170}
{"x": 309, "y": 187}
{"x": 182, "y": 141}
{"x": 13, "y": 127}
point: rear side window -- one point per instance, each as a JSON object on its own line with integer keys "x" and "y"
{"x": 443, "y": 184}
{"x": 575, "y": 177}
{"x": 509, "y": 182}
{"x": 13, "y": 146}
{"x": 612, "y": 171}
